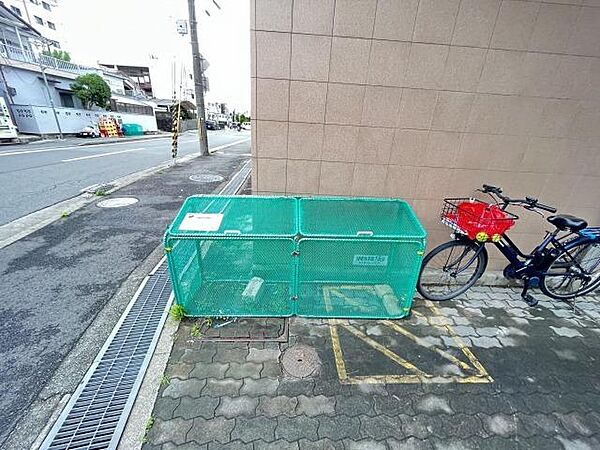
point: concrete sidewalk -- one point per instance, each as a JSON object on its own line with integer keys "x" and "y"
{"x": 65, "y": 286}
{"x": 482, "y": 371}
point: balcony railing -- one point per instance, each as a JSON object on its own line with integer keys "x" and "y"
{"x": 24, "y": 55}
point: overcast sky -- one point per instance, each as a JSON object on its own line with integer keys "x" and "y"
{"x": 130, "y": 30}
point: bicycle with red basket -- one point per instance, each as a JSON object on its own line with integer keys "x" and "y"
{"x": 565, "y": 265}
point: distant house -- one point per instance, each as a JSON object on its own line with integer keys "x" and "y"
{"x": 24, "y": 90}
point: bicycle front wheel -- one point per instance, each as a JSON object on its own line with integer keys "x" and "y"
{"x": 451, "y": 269}
{"x": 574, "y": 272}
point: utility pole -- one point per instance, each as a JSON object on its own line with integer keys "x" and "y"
{"x": 198, "y": 79}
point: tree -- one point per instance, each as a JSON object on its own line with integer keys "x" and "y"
{"x": 91, "y": 89}
{"x": 58, "y": 54}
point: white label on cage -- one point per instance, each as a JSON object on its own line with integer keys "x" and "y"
{"x": 201, "y": 222}
{"x": 370, "y": 260}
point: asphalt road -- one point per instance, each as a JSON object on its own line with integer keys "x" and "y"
{"x": 63, "y": 278}
{"x": 38, "y": 175}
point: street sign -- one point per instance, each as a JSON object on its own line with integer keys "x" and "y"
{"x": 182, "y": 26}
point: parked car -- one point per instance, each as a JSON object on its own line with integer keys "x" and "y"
{"x": 211, "y": 125}
{"x": 246, "y": 126}
{"x": 89, "y": 131}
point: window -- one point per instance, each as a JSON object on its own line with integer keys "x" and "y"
{"x": 35, "y": 2}
{"x": 16, "y": 10}
{"x": 66, "y": 100}
{"x": 38, "y": 20}
{"x": 46, "y": 6}
{"x": 51, "y": 25}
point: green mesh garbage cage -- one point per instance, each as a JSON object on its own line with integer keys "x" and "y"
{"x": 359, "y": 257}
{"x": 282, "y": 256}
{"x": 234, "y": 255}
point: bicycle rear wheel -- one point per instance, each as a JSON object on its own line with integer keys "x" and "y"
{"x": 451, "y": 269}
{"x": 574, "y": 272}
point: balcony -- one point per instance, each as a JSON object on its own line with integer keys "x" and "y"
{"x": 23, "y": 55}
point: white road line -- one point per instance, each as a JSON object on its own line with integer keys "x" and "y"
{"x": 100, "y": 155}
{"x": 77, "y": 147}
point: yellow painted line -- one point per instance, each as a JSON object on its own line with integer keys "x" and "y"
{"x": 340, "y": 364}
{"x": 415, "y": 339}
{"x": 461, "y": 344}
{"x": 382, "y": 349}
{"x": 407, "y": 379}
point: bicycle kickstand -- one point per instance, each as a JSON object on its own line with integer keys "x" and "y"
{"x": 528, "y": 298}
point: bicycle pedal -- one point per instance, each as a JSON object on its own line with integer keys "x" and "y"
{"x": 531, "y": 301}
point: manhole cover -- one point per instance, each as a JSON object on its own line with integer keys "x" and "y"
{"x": 206, "y": 178}
{"x": 117, "y": 202}
{"x": 300, "y": 361}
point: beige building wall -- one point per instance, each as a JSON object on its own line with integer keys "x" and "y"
{"x": 422, "y": 99}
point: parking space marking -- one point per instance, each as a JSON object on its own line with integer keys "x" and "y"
{"x": 414, "y": 375}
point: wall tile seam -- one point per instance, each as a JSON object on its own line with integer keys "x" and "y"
{"x": 326, "y": 98}
{"x": 508, "y": 49}
{"x": 416, "y": 88}
{"x": 410, "y": 166}
{"x": 439, "y": 130}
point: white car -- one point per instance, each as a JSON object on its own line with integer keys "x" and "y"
{"x": 246, "y": 126}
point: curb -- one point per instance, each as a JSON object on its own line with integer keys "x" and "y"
{"x": 24, "y": 226}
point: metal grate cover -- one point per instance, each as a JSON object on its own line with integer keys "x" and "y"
{"x": 95, "y": 416}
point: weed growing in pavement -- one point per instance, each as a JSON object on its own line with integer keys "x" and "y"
{"x": 147, "y": 428}
{"x": 100, "y": 192}
{"x": 65, "y": 214}
{"x": 177, "y": 312}
{"x": 164, "y": 381}
{"x": 196, "y": 330}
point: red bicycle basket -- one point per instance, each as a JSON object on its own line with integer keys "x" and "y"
{"x": 471, "y": 217}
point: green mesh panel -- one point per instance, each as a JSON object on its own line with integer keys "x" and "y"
{"x": 277, "y": 256}
{"x": 241, "y": 215}
{"x": 347, "y": 217}
{"x": 213, "y": 274}
{"x": 357, "y": 278}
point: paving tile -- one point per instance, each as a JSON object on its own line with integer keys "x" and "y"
{"x": 213, "y": 370}
{"x": 164, "y": 407}
{"x": 205, "y": 431}
{"x": 354, "y": 405}
{"x": 271, "y": 369}
{"x": 365, "y": 444}
{"x": 409, "y": 444}
{"x": 322, "y": 444}
{"x": 381, "y": 427}
{"x": 179, "y": 388}
{"x": 253, "y": 429}
{"x": 243, "y": 370}
{"x": 237, "y": 406}
{"x": 293, "y": 428}
{"x": 256, "y": 388}
{"x": 279, "y": 444}
{"x": 339, "y": 427}
{"x": 190, "y": 408}
{"x": 293, "y": 387}
{"x": 218, "y": 388}
{"x": 263, "y": 355}
{"x": 173, "y": 430}
{"x": 314, "y": 406}
{"x": 277, "y": 406}
{"x": 233, "y": 445}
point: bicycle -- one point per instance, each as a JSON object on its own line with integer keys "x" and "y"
{"x": 563, "y": 267}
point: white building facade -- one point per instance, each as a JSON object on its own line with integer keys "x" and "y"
{"x": 43, "y": 15}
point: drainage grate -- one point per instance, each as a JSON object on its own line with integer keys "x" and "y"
{"x": 95, "y": 416}
{"x": 97, "y": 412}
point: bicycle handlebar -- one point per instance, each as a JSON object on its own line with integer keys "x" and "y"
{"x": 527, "y": 202}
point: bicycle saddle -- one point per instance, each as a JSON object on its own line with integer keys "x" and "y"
{"x": 566, "y": 221}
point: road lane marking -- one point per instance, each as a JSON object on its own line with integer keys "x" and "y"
{"x": 100, "y": 155}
